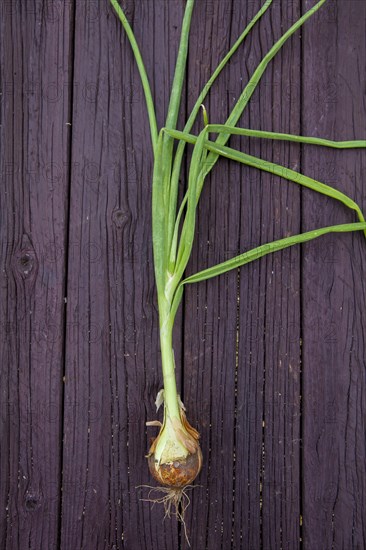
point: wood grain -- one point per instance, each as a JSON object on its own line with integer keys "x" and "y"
{"x": 112, "y": 360}
{"x": 270, "y": 358}
{"x": 35, "y": 108}
{"x": 242, "y": 344}
{"x": 333, "y": 287}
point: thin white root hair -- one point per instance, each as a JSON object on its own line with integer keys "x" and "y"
{"x": 175, "y": 501}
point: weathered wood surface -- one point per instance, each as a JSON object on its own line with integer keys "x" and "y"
{"x": 334, "y": 295}
{"x": 272, "y": 356}
{"x": 246, "y": 336}
{"x": 35, "y": 109}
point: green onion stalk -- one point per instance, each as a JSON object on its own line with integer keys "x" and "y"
{"x": 175, "y": 458}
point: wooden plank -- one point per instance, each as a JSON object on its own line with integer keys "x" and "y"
{"x": 241, "y": 362}
{"x": 112, "y": 361}
{"x": 210, "y": 309}
{"x": 35, "y": 105}
{"x": 277, "y": 307}
{"x": 242, "y": 348}
{"x": 334, "y": 296}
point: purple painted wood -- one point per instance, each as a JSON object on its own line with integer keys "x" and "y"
{"x": 208, "y": 363}
{"x": 35, "y": 102}
{"x": 112, "y": 359}
{"x": 270, "y": 359}
{"x": 334, "y": 299}
{"x": 242, "y": 349}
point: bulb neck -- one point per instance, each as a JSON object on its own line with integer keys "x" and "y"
{"x": 171, "y": 400}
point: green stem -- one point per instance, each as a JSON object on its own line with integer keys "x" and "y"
{"x": 168, "y": 364}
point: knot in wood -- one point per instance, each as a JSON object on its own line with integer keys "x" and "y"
{"x": 120, "y": 218}
{"x": 32, "y": 502}
{"x": 25, "y": 261}
{"x": 26, "y": 264}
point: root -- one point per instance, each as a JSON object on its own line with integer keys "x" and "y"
{"x": 175, "y": 501}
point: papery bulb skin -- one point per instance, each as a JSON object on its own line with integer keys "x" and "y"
{"x": 175, "y": 457}
{"x": 178, "y": 473}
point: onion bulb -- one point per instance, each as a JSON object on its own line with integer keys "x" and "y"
{"x": 175, "y": 457}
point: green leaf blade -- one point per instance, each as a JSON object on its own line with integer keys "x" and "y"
{"x": 355, "y": 144}
{"x": 192, "y": 117}
{"x": 195, "y": 176}
{"x": 268, "y": 248}
{"x": 271, "y": 167}
{"x": 289, "y": 174}
{"x": 159, "y": 218}
{"x": 141, "y": 68}
{"x": 249, "y": 89}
